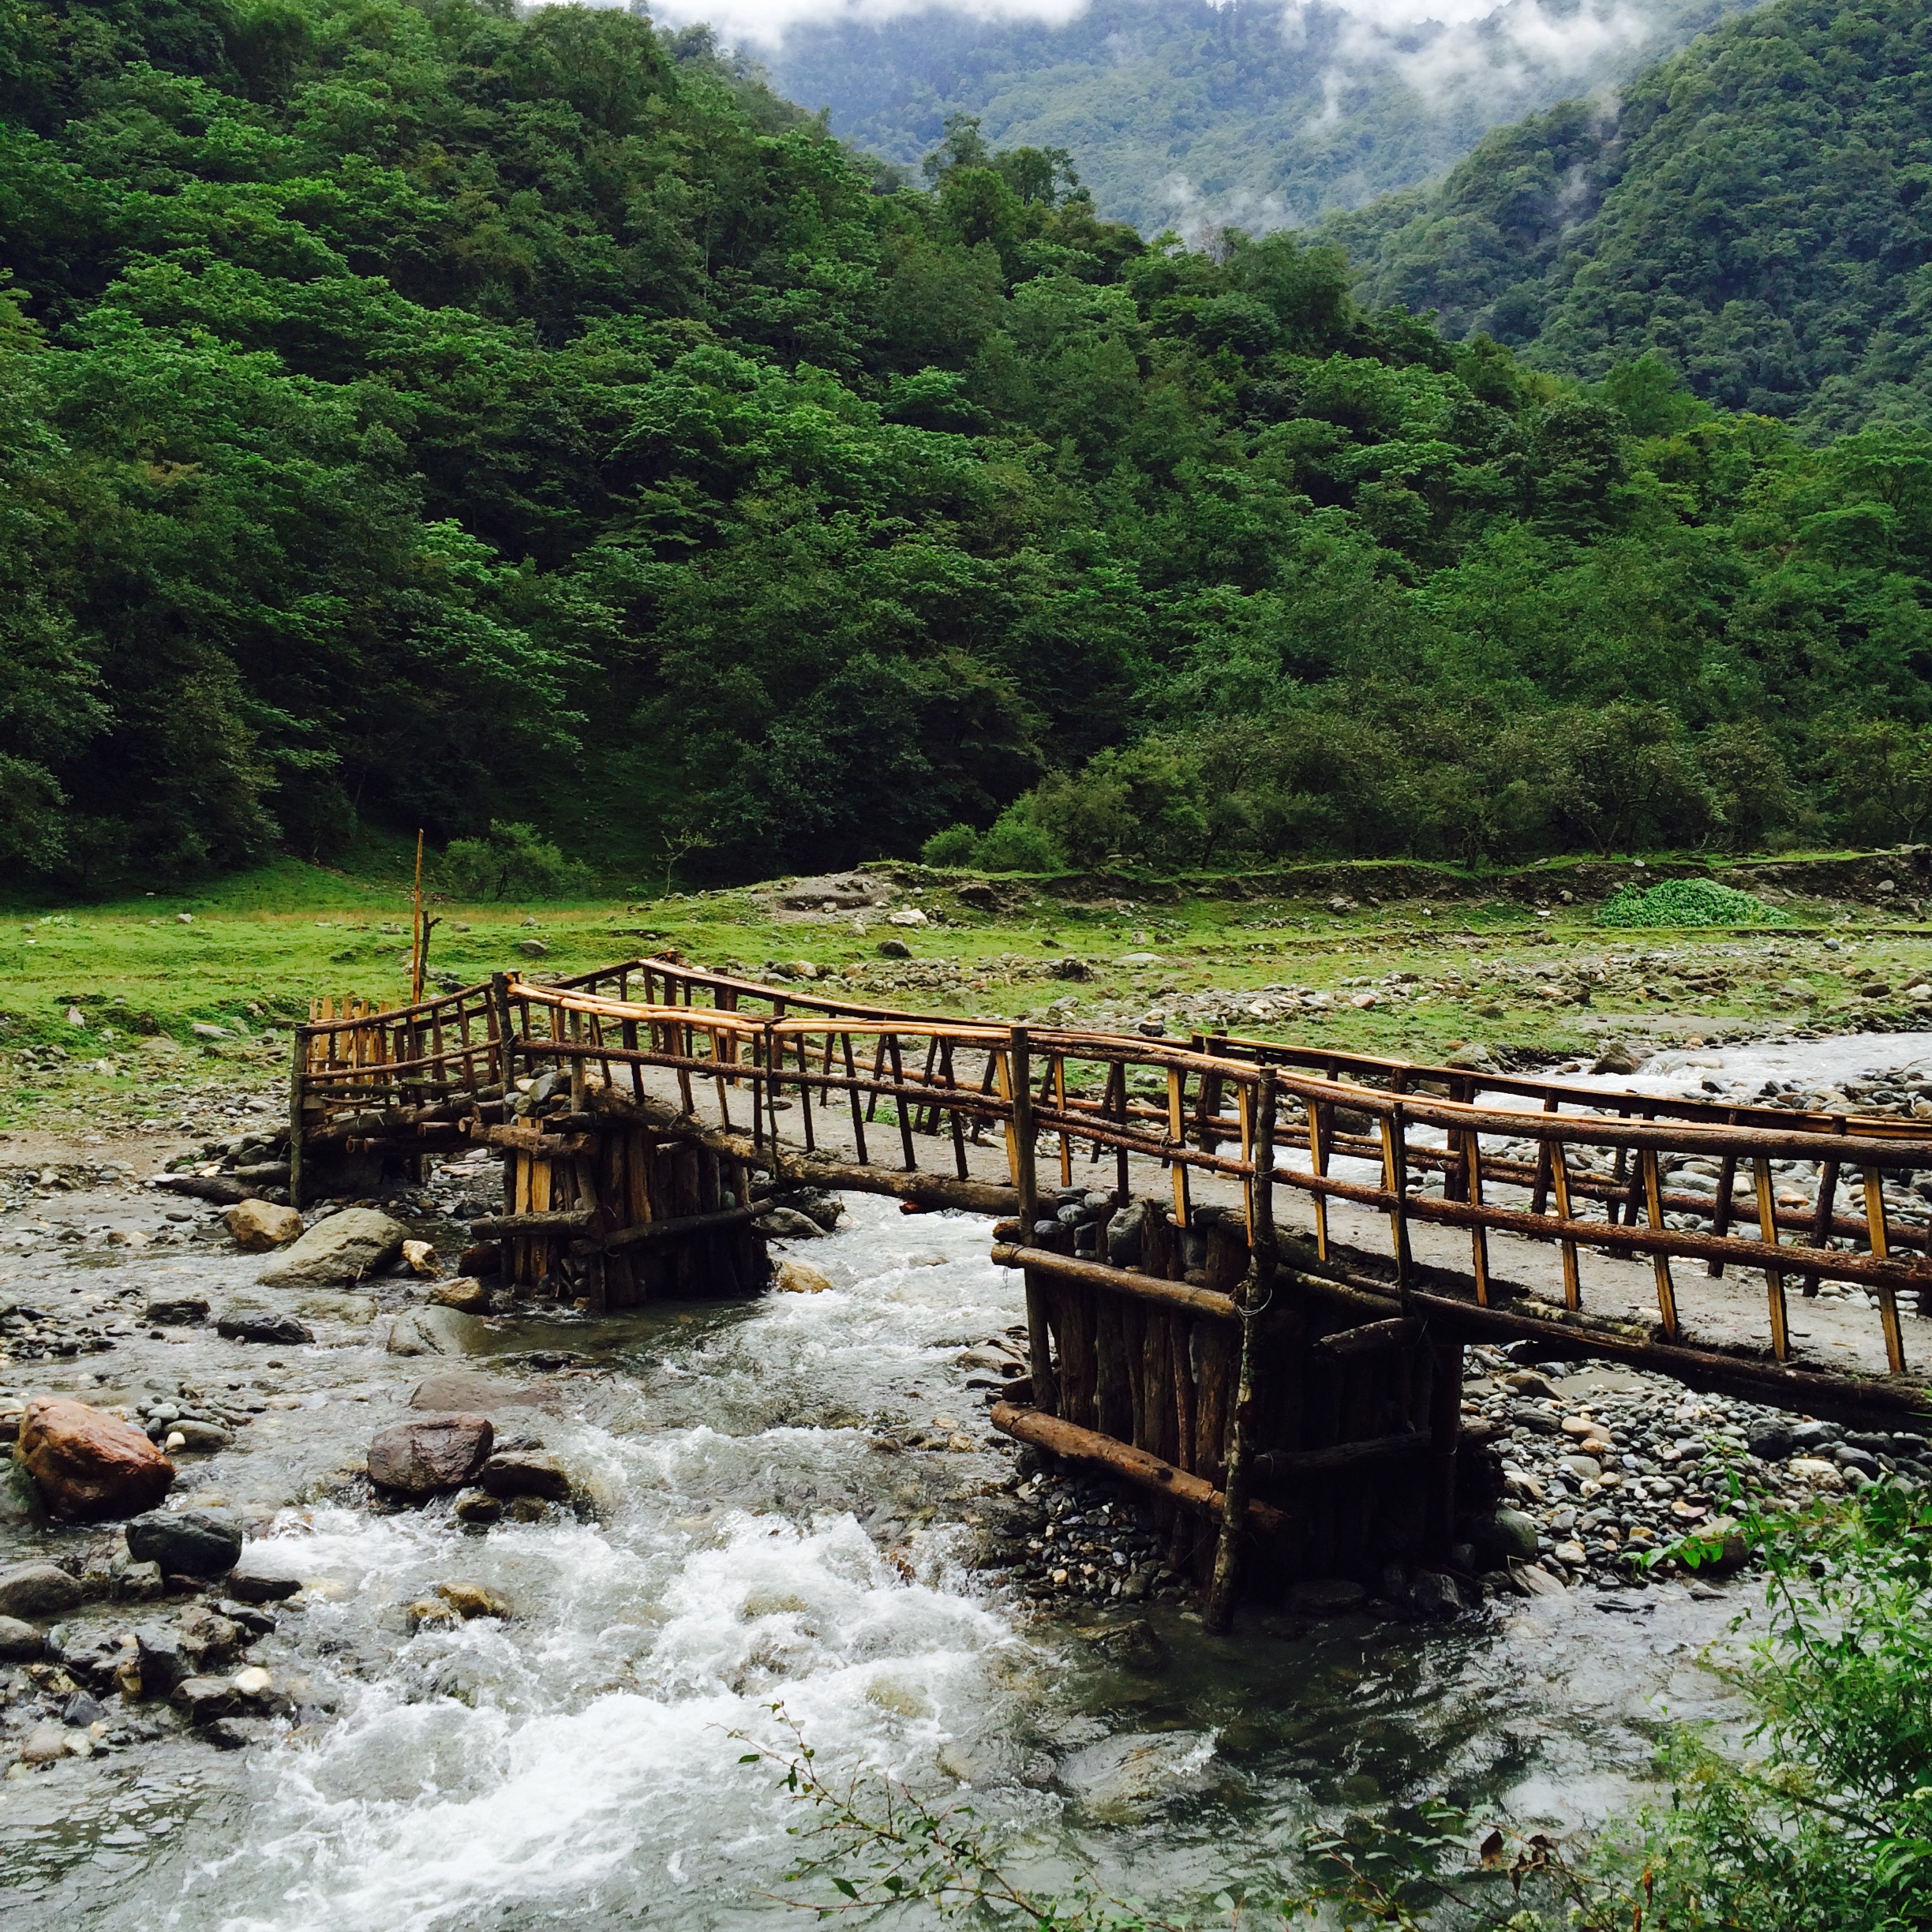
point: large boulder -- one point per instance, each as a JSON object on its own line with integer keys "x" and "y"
{"x": 338, "y": 1253}
{"x": 259, "y": 1225}
{"x": 195, "y": 1542}
{"x": 37, "y": 1590}
{"x": 87, "y": 1464}
{"x": 446, "y": 1391}
{"x": 435, "y": 1454}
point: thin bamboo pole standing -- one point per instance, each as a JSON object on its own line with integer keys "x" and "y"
{"x": 417, "y": 961}
{"x": 1257, "y": 1286}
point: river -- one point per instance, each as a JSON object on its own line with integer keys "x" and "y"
{"x": 748, "y": 1543}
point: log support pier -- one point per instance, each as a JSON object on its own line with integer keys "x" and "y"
{"x": 1289, "y": 1396}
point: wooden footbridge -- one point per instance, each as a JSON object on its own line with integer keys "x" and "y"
{"x": 1251, "y": 1269}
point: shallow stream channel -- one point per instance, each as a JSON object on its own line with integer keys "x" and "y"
{"x": 784, "y": 1502}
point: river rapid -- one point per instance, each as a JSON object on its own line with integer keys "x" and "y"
{"x": 754, "y": 1536}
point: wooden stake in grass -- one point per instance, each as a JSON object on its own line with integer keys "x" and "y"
{"x": 417, "y": 935}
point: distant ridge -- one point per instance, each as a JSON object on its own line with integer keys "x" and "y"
{"x": 1757, "y": 209}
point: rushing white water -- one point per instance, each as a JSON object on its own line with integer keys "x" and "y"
{"x": 752, "y": 1544}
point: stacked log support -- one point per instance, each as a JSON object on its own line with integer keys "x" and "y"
{"x": 1290, "y": 1405}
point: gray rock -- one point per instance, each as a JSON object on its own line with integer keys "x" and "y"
{"x": 253, "y": 1586}
{"x": 433, "y": 1331}
{"x": 43, "y": 1744}
{"x": 1142, "y": 1765}
{"x": 203, "y": 1438}
{"x": 338, "y": 1253}
{"x": 1324, "y": 1597}
{"x": 245, "y": 1324}
{"x": 20, "y": 1643}
{"x": 1507, "y": 1533}
{"x": 163, "y": 1660}
{"x": 81, "y": 1709}
{"x": 192, "y": 1542}
{"x": 525, "y": 1473}
{"x": 1774, "y": 1444}
{"x": 436, "y": 1454}
{"x": 1435, "y": 1594}
{"x": 444, "y": 1391}
{"x": 21, "y": 1504}
{"x": 176, "y": 1311}
{"x": 1124, "y": 1235}
{"x": 205, "y": 1698}
{"x": 135, "y": 1582}
{"x": 788, "y": 1224}
{"x": 37, "y": 1590}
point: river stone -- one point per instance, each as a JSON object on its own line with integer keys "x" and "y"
{"x": 466, "y": 1294}
{"x": 800, "y": 1278}
{"x": 787, "y": 1224}
{"x": 37, "y": 1590}
{"x": 1327, "y": 1597}
{"x": 256, "y": 1586}
{"x": 431, "y": 1331}
{"x": 256, "y": 1226}
{"x": 88, "y": 1465}
{"x": 20, "y": 1643}
{"x": 205, "y": 1698}
{"x": 194, "y": 1542}
{"x": 1436, "y": 1594}
{"x": 1138, "y": 1766}
{"x": 1533, "y": 1581}
{"x": 43, "y": 1744}
{"x": 338, "y": 1253}
{"x": 446, "y": 1390}
{"x": 1507, "y": 1532}
{"x": 525, "y": 1473}
{"x": 438, "y": 1453}
{"x": 21, "y": 1505}
{"x": 246, "y": 1322}
{"x": 1773, "y": 1444}
{"x": 176, "y": 1311}
{"x": 473, "y": 1600}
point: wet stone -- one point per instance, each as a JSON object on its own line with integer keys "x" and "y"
{"x": 37, "y": 1590}
{"x": 193, "y": 1542}
{"x": 436, "y": 1454}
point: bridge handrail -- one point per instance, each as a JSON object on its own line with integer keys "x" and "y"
{"x": 1240, "y": 1109}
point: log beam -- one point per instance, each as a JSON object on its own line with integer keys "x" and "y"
{"x": 1122, "y": 1459}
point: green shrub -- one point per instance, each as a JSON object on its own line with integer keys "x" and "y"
{"x": 512, "y": 861}
{"x": 957, "y": 845}
{"x": 1684, "y": 902}
{"x": 1016, "y": 844}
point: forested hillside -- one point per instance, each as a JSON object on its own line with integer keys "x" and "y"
{"x": 1756, "y": 209}
{"x": 1258, "y": 113}
{"x": 413, "y": 413}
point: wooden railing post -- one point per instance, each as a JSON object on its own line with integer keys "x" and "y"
{"x": 500, "y": 1005}
{"x": 1040, "y": 1341}
{"x": 297, "y": 1066}
{"x": 1256, "y": 1287}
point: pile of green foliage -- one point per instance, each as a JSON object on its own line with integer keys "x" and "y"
{"x": 1755, "y": 210}
{"x": 1684, "y": 902}
{"x": 416, "y": 413}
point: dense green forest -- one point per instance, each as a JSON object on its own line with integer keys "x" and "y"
{"x": 1249, "y": 112}
{"x": 1755, "y": 209}
{"x": 412, "y": 413}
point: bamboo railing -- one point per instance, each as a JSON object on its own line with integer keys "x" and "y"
{"x": 1574, "y": 1169}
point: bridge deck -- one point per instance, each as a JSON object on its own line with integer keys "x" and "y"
{"x": 1533, "y": 1206}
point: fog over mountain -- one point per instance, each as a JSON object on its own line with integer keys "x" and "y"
{"x": 1257, "y": 113}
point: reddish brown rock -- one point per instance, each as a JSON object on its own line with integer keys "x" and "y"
{"x": 439, "y": 1452}
{"x": 87, "y": 1464}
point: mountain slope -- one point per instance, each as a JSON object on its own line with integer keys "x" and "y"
{"x": 1183, "y": 112}
{"x": 1757, "y": 209}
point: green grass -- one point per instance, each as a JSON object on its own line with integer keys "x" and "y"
{"x": 257, "y": 947}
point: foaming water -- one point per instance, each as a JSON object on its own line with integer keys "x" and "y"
{"x": 752, "y": 1543}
